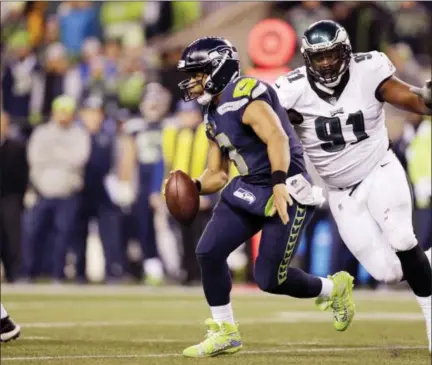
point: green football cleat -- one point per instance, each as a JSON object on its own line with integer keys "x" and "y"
{"x": 341, "y": 301}
{"x": 220, "y": 339}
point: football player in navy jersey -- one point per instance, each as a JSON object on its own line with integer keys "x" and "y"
{"x": 246, "y": 124}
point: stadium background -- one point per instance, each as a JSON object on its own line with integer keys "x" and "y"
{"x": 116, "y": 49}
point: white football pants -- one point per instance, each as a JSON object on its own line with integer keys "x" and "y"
{"x": 375, "y": 222}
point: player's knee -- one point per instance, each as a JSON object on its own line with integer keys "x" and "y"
{"x": 390, "y": 274}
{"x": 402, "y": 239}
{"x": 264, "y": 278}
{"x": 207, "y": 252}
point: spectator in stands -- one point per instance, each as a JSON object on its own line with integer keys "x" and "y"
{"x": 57, "y": 154}
{"x": 13, "y": 183}
{"x": 22, "y": 83}
{"x": 371, "y": 27}
{"x": 78, "y": 20}
{"x": 98, "y": 74}
{"x": 418, "y": 157}
{"x": 119, "y": 18}
{"x": 300, "y": 18}
{"x": 96, "y": 203}
{"x": 303, "y": 15}
{"x": 186, "y": 149}
{"x": 13, "y": 19}
{"x": 52, "y": 31}
{"x": 412, "y": 26}
{"x": 145, "y": 135}
{"x": 58, "y": 78}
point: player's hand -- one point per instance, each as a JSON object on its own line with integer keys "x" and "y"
{"x": 156, "y": 201}
{"x": 165, "y": 182}
{"x": 424, "y": 92}
{"x": 281, "y": 201}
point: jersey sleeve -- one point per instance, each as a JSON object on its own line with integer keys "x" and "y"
{"x": 382, "y": 70}
{"x": 289, "y": 89}
{"x": 241, "y": 93}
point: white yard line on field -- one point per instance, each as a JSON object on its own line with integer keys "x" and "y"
{"x": 243, "y": 353}
{"x": 35, "y": 338}
{"x": 282, "y": 317}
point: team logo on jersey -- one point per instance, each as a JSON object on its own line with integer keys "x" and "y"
{"x": 244, "y": 195}
{"x": 338, "y": 111}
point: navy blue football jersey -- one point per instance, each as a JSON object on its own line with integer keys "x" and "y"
{"x": 239, "y": 141}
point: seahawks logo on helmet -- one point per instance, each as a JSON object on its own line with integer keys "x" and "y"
{"x": 231, "y": 53}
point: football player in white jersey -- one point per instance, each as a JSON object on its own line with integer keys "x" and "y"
{"x": 336, "y": 103}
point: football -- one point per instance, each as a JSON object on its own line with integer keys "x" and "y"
{"x": 182, "y": 197}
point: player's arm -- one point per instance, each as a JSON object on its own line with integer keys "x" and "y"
{"x": 128, "y": 159}
{"x": 215, "y": 176}
{"x": 404, "y": 96}
{"x": 266, "y": 124}
{"x": 124, "y": 193}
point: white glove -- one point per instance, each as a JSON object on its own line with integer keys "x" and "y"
{"x": 303, "y": 192}
{"x": 30, "y": 199}
{"x": 424, "y": 92}
{"x": 121, "y": 193}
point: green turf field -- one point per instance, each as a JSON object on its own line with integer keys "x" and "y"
{"x": 72, "y": 325}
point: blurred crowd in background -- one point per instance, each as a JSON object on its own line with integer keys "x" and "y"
{"x": 86, "y": 84}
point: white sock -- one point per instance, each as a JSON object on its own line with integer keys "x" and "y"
{"x": 153, "y": 267}
{"x": 223, "y": 313}
{"x": 4, "y": 314}
{"x": 327, "y": 288}
{"x": 429, "y": 255}
{"x": 425, "y": 305}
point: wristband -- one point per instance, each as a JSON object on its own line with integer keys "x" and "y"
{"x": 198, "y": 185}
{"x": 278, "y": 177}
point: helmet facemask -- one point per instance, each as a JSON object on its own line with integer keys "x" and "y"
{"x": 193, "y": 87}
{"x": 327, "y": 65}
{"x": 212, "y": 78}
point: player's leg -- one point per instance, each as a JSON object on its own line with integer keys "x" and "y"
{"x": 273, "y": 274}
{"x": 390, "y": 203}
{"x": 65, "y": 215}
{"x": 362, "y": 235}
{"x": 81, "y": 233}
{"x": 153, "y": 269}
{"x": 8, "y": 329}
{"x": 109, "y": 223}
{"x": 227, "y": 229}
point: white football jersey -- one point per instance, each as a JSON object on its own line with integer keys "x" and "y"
{"x": 344, "y": 136}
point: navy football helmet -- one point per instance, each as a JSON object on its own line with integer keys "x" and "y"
{"x": 326, "y": 50}
{"x": 212, "y": 63}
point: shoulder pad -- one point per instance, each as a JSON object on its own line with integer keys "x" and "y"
{"x": 290, "y": 87}
{"x": 248, "y": 87}
{"x": 373, "y": 61}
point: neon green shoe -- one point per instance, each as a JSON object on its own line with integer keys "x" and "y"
{"x": 223, "y": 339}
{"x": 341, "y": 301}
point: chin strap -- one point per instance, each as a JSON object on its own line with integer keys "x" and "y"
{"x": 205, "y": 98}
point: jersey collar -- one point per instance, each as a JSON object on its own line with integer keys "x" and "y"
{"x": 333, "y": 95}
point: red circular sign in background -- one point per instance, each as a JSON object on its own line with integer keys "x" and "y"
{"x": 271, "y": 43}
